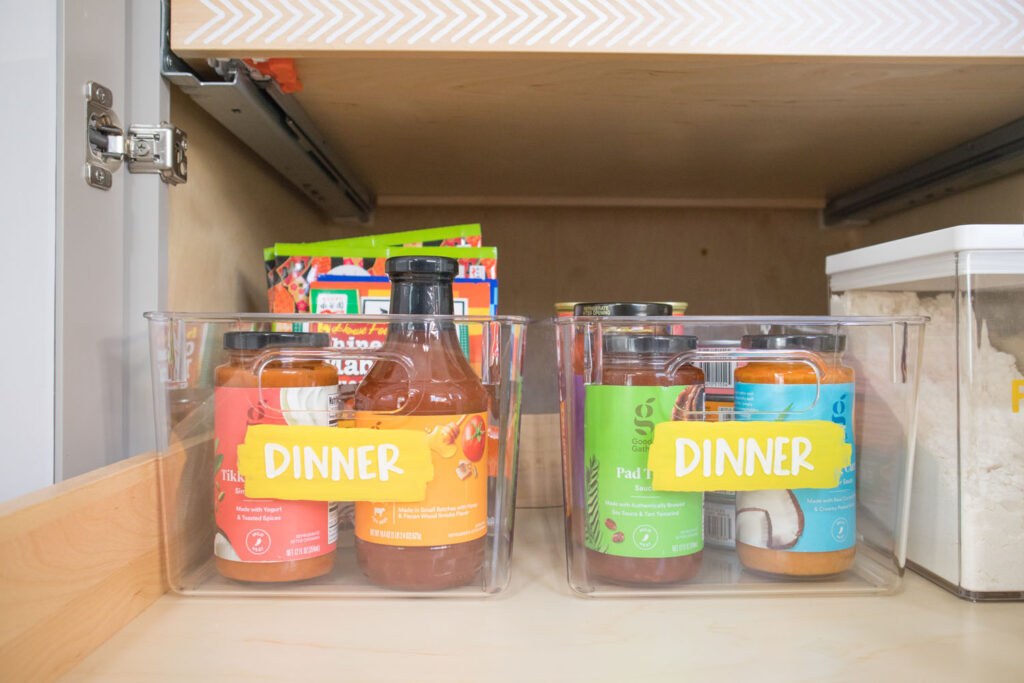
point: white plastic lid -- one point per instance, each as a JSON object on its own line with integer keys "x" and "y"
{"x": 929, "y": 258}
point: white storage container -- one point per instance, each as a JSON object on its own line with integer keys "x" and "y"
{"x": 967, "y": 505}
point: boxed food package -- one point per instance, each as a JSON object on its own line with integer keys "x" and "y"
{"x": 347, "y": 277}
{"x": 299, "y": 266}
{"x": 967, "y": 507}
{"x": 370, "y": 295}
{"x": 467, "y": 235}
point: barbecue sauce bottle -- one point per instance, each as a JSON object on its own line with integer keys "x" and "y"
{"x": 439, "y": 542}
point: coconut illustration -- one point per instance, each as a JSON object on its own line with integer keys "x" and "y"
{"x": 222, "y": 547}
{"x": 769, "y": 519}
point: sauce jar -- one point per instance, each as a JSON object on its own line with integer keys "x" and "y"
{"x": 635, "y": 535}
{"x": 582, "y": 343}
{"x": 439, "y": 542}
{"x": 270, "y": 540}
{"x": 798, "y": 532}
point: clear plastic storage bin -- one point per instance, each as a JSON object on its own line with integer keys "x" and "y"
{"x": 817, "y": 449}
{"x": 274, "y": 480}
{"x": 967, "y": 521}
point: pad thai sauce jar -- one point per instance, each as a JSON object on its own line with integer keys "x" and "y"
{"x": 799, "y": 532}
{"x": 270, "y": 540}
{"x": 635, "y": 535}
{"x": 582, "y": 348}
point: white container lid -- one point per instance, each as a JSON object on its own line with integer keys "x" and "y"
{"x": 925, "y": 261}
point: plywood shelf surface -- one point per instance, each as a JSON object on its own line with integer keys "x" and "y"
{"x": 765, "y": 115}
{"x": 538, "y": 631}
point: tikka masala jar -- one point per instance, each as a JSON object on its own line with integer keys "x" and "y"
{"x": 798, "y": 532}
{"x": 270, "y": 540}
{"x": 439, "y": 542}
{"x": 635, "y": 535}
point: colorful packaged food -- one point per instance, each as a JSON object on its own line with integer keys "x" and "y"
{"x": 270, "y": 540}
{"x": 798, "y": 487}
{"x": 583, "y": 348}
{"x": 635, "y": 535}
{"x": 439, "y": 542}
{"x": 298, "y": 266}
{"x": 467, "y": 235}
{"x": 798, "y": 532}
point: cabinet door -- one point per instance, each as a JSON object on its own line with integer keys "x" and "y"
{"x": 110, "y": 256}
{"x": 28, "y": 81}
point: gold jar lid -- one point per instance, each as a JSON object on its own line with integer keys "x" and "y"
{"x": 566, "y": 307}
{"x": 678, "y": 307}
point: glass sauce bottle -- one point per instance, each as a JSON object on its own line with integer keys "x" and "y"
{"x": 636, "y": 535}
{"x": 582, "y": 350}
{"x": 443, "y": 393}
{"x": 781, "y": 532}
{"x": 293, "y": 392}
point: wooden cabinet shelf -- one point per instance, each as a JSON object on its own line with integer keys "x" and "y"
{"x": 773, "y": 119}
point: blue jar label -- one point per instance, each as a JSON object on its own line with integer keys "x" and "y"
{"x": 799, "y": 520}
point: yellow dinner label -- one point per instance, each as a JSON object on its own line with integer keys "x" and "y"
{"x": 298, "y": 462}
{"x": 747, "y": 456}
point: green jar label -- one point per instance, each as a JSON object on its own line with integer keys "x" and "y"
{"x": 625, "y": 517}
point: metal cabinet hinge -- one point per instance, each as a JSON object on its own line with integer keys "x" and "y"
{"x": 144, "y": 148}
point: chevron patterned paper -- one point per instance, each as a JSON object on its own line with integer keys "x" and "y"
{"x": 989, "y": 28}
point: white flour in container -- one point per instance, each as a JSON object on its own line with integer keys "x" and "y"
{"x": 989, "y": 557}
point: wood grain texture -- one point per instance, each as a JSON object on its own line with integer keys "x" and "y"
{"x": 78, "y": 561}
{"x": 233, "y": 205}
{"x": 540, "y": 631}
{"x": 186, "y": 495}
{"x": 540, "y": 462}
{"x": 655, "y": 128}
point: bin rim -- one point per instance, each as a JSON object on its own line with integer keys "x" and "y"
{"x": 863, "y": 320}
{"x": 168, "y": 316}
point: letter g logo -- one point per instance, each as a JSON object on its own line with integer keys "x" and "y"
{"x": 643, "y": 411}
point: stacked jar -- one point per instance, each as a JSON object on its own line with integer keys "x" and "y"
{"x": 635, "y": 535}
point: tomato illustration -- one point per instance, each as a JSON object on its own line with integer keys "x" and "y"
{"x": 474, "y": 436}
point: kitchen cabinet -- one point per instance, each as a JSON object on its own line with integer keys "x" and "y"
{"x": 695, "y": 143}
{"x": 664, "y": 149}
{"x": 690, "y": 156}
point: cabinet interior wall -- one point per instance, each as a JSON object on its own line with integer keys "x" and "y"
{"x": 726, "y": 260}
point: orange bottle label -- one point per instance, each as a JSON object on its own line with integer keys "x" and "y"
{"x": 455, "y": 507}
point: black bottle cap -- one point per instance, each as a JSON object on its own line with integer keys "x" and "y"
{"x": 252, "y": 341}
{"x": 649, "y": 343}
{"x": 808, "y": 342}
{"x": 622, "y": 309}
{"x": 421, "y": 265}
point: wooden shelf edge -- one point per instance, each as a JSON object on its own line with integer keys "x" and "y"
{"x": 601, "y": 202}
{"x": 78, "y": 561}
{"x": 786, "y": 27}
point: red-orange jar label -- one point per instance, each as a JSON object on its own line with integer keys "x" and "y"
{"x": 267, "y": 530}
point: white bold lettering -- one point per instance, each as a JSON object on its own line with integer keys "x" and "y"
{"x": 340, "y": 461}
{"x": 270, "y": 450}
{"x": 801, "y": 451}
{"x": 682, "y": 445}
{"x": 387, "y": 456}
{"x": 362, "y": 454}
{"x": 319, "y": 463}
{"x": 780, "y": 456}
{"x": 723, "y": 451}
